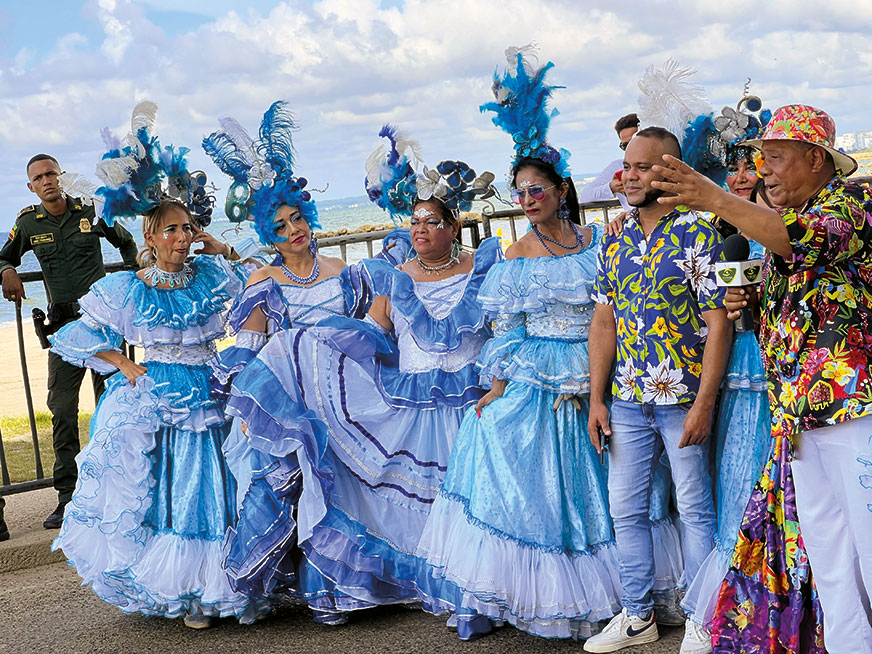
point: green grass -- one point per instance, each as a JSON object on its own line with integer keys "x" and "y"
{"x": 18, "y": 446}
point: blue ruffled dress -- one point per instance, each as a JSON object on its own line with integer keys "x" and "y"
{"x": 742, "y": 438}
{"x": 154, "y": 499}
{"x": 521, "y": 524}
{"x": 389, "y": 406}
{"x": 274, "y": 476}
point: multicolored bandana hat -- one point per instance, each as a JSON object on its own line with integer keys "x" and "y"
{"x": 262, "y": 171}
{"x": 800, "y": 122}
{"x": 138, "y": 175}
{"x": 521, "y": 98}
{"x": 392, "y": 184}
{"x": 390, "y": 174}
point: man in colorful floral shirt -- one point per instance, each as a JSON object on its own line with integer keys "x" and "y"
{"x": 659, "y": 316}
{"x": 816, "y": 336}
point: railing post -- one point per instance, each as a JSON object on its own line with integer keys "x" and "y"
{"x": 22, "y": 355}
{"x": 4, "y": 469}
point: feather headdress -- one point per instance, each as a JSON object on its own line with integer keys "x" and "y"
{"x": 520, "y": 106}
{"x": 390, "y": 173}
{"x": 262, "y": 171}
{"x": 392, "y": 184}
{"x": 137, "y": 174}
{"x": 670, "y": 100}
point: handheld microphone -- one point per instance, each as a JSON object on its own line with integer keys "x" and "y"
{"x": 738, "y": 270}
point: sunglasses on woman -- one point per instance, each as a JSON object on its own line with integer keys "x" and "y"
{"x": 536, "y": 191}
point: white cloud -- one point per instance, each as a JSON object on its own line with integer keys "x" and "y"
{"x": 347, "y": 66}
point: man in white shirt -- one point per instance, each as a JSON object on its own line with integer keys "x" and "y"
{"x": 607, "y": 186}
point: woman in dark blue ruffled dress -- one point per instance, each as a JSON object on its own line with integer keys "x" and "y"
{"x": 388, "y": 394}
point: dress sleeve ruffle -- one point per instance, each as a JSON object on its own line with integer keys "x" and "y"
{"x": 431, "y": 335}
{"x": 266, "y": 296}
{"x": 497, "y": 352}
{"x": 78, "y": 343}
{"x": 231, "y": 361}
{"x": 396, "y": 246}
{"x": 527, "y": 284}
{"x": 128, "y": 306}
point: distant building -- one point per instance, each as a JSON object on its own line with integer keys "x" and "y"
{"x": 855, "y": 141}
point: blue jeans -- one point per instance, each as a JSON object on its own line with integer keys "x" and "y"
{"x": 640, "y": 432}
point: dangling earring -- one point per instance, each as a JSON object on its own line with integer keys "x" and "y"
{"x": 563, "y": 210}
{"x": 313, "y": 246}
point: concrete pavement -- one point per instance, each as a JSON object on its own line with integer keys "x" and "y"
{"x": 44, "y": 609}
{"x": 30, "y": 544}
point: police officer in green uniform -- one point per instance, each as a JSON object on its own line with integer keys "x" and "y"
{"x": 66, "y": 241}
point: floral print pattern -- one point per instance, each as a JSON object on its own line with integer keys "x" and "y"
{"x": 659, "y": 287}
{"x": 768, "y": 601}
{"x": 816, "y": 327}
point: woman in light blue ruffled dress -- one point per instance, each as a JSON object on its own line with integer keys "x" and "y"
{"x": 388, "y": 394}
{"x": 521, "y": 524}
{"x": 154, "y": 499}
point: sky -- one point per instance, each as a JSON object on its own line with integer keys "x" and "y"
{"x": 70, "y": 67}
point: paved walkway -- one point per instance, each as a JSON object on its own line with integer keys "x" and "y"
{"x": 45, "y": 610}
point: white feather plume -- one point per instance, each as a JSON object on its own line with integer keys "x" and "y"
{"x": 241, "y": 137}
{"x": 377, "y": 170}
{"x": 115, "y": 172}
{"x": 528, "y": 54}
{"x": 110, "y": 140}
{"x": 408, "y": 147}
{"x": 144, "y": 115}
{"x": 668, "y": 99}
{"x": 375, "y": 164}
{"x": 74, "y": 185}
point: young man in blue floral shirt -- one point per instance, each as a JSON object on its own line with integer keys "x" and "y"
{"x": 660, "y": 318}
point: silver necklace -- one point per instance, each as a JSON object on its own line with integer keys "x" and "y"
{"x": 432, "y": 270}
{"x": 156, "y": 276}
{"x": 542, "y": 238}
{"x": 290, "y": 274}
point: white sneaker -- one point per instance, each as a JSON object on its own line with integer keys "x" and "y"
{"x": 199, "y": 621}
{"x": 697, "y": 639}
{"x": 623, "y": 630}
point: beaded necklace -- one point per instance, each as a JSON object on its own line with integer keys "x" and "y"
{"x": 542, "y": 238}
{"x": 156, "y": 276}
{"x": 301, "y": 280}
{"x": 432, "y": 270}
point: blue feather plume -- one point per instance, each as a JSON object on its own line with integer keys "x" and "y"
{"x": 274, "y": 143}
{"x": 699, "y": 149}
{"x": 224, "y": 151}
{"x": 520, "y": 109}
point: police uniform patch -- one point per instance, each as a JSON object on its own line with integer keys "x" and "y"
{"x": 41, "y": 239}
{"x": 32, "y": 207}
{"x": 13, "y": 230}
{"x": 85, "y": 226}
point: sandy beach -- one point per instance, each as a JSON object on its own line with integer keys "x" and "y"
{"x": 12, "y": 400}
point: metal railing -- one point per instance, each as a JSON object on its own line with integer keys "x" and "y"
{"x": 473, "y": 230}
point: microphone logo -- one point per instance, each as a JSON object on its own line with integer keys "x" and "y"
{"x": 727, "y": 274}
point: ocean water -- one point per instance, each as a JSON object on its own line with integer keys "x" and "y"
{"x": 334, "y": 214}
{"x": 349, "y": 213}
